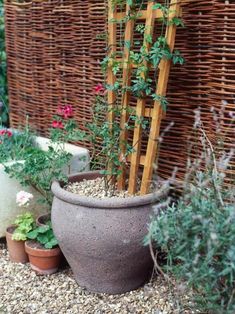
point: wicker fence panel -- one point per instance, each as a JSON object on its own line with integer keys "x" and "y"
{"x": 222, "y": 83}
{"x": 53, "y": 56}
{"x": 54, "y": 48}
{"x": 189, "y": 87}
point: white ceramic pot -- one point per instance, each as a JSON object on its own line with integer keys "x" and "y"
{"x": 10, "y": 187}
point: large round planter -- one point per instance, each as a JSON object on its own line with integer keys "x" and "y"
{"x": 43, "y": 261}
{"x": 16, "y": 249}
{"x": 102, "y": 240}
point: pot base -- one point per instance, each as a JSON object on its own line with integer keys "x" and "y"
{"x": 112, "y": 287}
{"x": 43, "y": 271}
{"x": 43, "y": 261}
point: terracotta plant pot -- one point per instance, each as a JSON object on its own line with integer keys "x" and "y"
{"x": 102, "y": 240}
{"x": 43, "y": 261}
{"x": 42, "y": 220}
{"x": 16, "y": 248}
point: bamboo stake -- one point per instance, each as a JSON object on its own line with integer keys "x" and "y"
{"x": 125, "y": 98}
{"x": 111, "y": 79}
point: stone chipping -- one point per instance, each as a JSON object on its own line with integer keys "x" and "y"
{"x": 23, "y": 292}
{"x": 95, "y": 188}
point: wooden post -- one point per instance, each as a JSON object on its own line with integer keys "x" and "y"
{"x": 164, "y": 68}
{"x": 140, "y": 108}
{"x": 111, "y": 79}
{"x": 125, "y": 98}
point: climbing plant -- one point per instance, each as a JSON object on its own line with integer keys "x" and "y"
{"x": 135, "y": 54}
{"x": 3, "y": 66}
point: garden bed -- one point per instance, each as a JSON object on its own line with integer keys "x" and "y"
{"x": 22, "y": 291}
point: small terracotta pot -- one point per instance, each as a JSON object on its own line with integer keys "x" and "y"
{"x": 41, "y": 220}
{"x": 16, "y": 248}
{"x": 43, "y": 261}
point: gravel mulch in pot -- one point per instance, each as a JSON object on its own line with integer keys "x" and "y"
{"x": 23, "y": 292}
{"x": 95, "y": 188}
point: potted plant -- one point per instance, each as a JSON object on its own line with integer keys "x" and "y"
{"x": 32, "y": 162}
{"x": 16, "y": 234}
{"x": 99, "y": 225}
{"x": 43, "y": 250}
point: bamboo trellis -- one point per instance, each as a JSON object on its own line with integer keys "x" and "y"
{"x": 150, "y": 16}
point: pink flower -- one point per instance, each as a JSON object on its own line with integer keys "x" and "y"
{"x": 65, "y": 111}
{"x": 99, "y": 89}
{"x": 23, "y": 198}
{"x": 57, "y": 124}
{"x": 9, "y": 133}
{"x": 6, "y": 132}
{"x": 60, "y": 111}
{"x": 68, "y": 111}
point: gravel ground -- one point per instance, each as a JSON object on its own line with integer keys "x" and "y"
{"x": 23, "y": 292}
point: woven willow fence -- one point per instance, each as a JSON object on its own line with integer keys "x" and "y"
{"x": 54, "y": 49}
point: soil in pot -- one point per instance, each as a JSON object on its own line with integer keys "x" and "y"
{"x": 102, "y": 239}
{"x": 16, "y": 248}
{"x": 43, "y": 261}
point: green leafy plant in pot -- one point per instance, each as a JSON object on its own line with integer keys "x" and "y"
{"x": 16, "y": 234}
{"x": 43, "y": 250}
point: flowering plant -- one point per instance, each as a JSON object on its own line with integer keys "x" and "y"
{"x": 23, "y": 198}
{"x": 25, "y": 222}
{"x": 40, "y": 167}
{"x": 13, "y": 145}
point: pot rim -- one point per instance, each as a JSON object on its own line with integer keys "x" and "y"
{"x": 106, "y": 203}
{"x": 9, "y": 227}
{"x": 41, "y": 252}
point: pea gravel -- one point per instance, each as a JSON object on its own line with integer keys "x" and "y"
{"x": 95, "y": 188}
{"x": 23, "y": 292}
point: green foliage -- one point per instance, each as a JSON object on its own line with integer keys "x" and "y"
{"x": 144, "y": 62}
{"x": 15, "y": 147}
{"x": 198, "y": 236}
{"x": 44, "y": 235}
{"x": 3, "y": 71}
{"x": 25, "y": 224}
{"x": 41, "y": 167}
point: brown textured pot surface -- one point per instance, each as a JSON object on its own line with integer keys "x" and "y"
{"x": 43, "y": 261}
{"x": 43, "y": 219}
{"x": 102, "y": 240}
{"x": 16, "y": 248}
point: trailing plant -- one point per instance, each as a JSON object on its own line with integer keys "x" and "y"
{"x": 197, "y": 233}
{"x": 3, "y": 70}
{"x": 44, "y": 235}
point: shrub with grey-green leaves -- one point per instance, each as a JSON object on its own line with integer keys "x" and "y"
{"x": 197, "y": 233}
